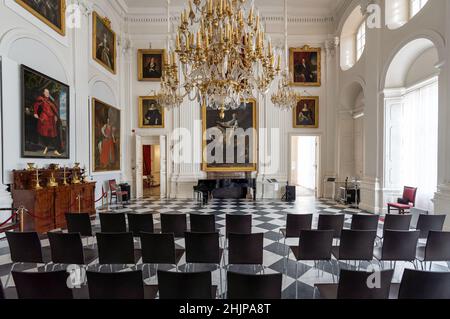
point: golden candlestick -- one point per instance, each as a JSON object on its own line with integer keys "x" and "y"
{"x": 52, "y": 182}
{"x": 75, "y": 179}
{"x": 65, "y": 177}
{"x": 37, "y": 186}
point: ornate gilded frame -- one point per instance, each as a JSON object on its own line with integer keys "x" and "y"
{"x": 316, "y": 112}
{"x": 141, "y": 113}
{"x": 306, "y": 48}
{"x": 140, "y": 58}
{"x": 62, "y": 30}
{"x": 107, "y": 23}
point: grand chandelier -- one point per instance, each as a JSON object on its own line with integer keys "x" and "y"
{"x": 221, "y": 56}
{"x": 285, "y": 97}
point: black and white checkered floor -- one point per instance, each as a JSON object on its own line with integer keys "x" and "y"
{"x": 268, "y": 217}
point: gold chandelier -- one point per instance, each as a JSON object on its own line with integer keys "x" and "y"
{"x": 220, "y": 56}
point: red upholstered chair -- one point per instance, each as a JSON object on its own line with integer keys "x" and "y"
{"x": 405, "y": 203}
{"x": 115, "y": 191}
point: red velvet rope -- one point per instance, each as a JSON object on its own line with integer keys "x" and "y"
{"x": 14, "y": 214}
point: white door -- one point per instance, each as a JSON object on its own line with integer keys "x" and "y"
{"x": 163, "y": 166}
{"x": 139, "y": 168}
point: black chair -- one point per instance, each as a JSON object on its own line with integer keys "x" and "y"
{"x": 138, "y": 223}
{"x": 355, "y": 245}
{"x": 294, "y": 224}
{"x": 42, "y": 285}
{"x": 364, "y": 222}
{"x": 427, "y": 223}
{"x": 247, "y": 286}
{"x": 246, "y": 249}
{"x": 396, "y": 222}
{"x": 354, "y": 285}
{"x": 116, "y": 249}
{"x": 203, "y": 223}
{"x": 437, "y": 249}
{"x": 159, "y": 249}
{"x": 185, "y": 285}
{"x": 66, "y": 248}
{"x": 238, "y": 224}
{"x": 79, "y": 223}
{"x": 397, "y": 246}
{"x": 113, "y": 223}
{"x": 24, "y": 247}
{"x": 174, "y": 223}
{"x": 314, "y": 245}
{"x": 332, "y": 222}
{"x": 119, "y": 285}
{"x": 424, "y": 285}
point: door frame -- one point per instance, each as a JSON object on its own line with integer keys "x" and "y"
{"x": 319, "y": 172}
{"x": 162, "y": 142}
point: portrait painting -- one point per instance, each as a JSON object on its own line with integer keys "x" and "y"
{"x": 151, "y": 114}
{"x": 104, "y": 43}
{"x": 230, "y": 138}
{"x": 305, "y": 66}
{"x": 105, "y": 137}
{"x": 45, "y": 116}
{"x": 51, "y": 12}
{"x": 306, "y": 113}
{"x": 150, "y": 65}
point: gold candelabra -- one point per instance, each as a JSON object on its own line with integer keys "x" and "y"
{"x": 37, "y": 186}
{"x": 65, "y": 183}
{"x": 52, "y": 182}
{"x": 75, "y": 179}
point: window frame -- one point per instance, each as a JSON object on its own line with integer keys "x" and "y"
{"x": 360, "y": 40}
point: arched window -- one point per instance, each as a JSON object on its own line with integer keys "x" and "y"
{"x": 360, "y": 40}
{"x": 415, "y": 6}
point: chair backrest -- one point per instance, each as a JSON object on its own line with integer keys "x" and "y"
{"x": 2, "y": 291}
{"x": 174, "y": 223}
{"x": 115, "y": 248}
{"x": 427, "y": 223}
{"x": 364, "y": 222}
{"x": 66, "y": 248}
{"x": 332, "y": 222}
{"x": 112, "y": 185}
{"x": 400, "y": 245}
{"x": 424, "y": 285}
{"x": 296, "y": 223}
{"x": 202, "y": 248}
{"x": 42, "y": 285}
{"x": 357, "y": 244}
{"x": 397, "y": 222}
{"x": 118, "y": 285}
{"x": 203, "y": 223}
{"x": 182, "y": 285}
{"x": 138, "y": 223}
{"x": 245, "y": 249}
{"x": 238, "y": 224}
{"x": 158, "y": 248}
{"x": 24, "y": 247}
{"x": 438, "y": 246}
{"x": 79, "y": 223}
{"x": 246, "y": 286}
{"x": 113, "y": 223}
{"x": 409, "y": 194}
{"x": 362, "y": 285}
{"x": 315, "y": 244}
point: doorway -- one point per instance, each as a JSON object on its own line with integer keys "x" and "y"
{"x": 151, "y": 170}
{"x": 304, "y": 165}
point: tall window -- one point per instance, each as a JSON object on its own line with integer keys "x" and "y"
{"x": 360, "y": 40}
{"x": 415, "y": 6}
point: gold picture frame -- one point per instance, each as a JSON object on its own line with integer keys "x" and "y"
{"x": 243, "y": 168}
{"x": 309, "y": 118}
{"x": 108, "y": 35}
{"x": 159, "y": 120}
{"x": 99, "y": 167}
{"x": 160, "y": 55}
{"x": 309, "y": 74}
{"x": 62, "y": 15}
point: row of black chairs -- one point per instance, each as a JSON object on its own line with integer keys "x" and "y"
{"x": 177, "y": 285}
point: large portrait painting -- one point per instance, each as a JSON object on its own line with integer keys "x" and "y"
{"x": 104, "y": 43}
{"x": 51, "y": 12}
{"x": 305, "y": 66}
{"x": 105, "y": 137}
{"x": 45, "y": 116}
{"x": 150, "y": 65}
{"x": 230, "y": 139}
{"x": 151, "y": 114}
{"x": 306, "y": 113}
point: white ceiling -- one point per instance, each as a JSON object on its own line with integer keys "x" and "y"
{"x": 316, "y": 7}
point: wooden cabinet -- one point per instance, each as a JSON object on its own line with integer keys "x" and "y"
{"x": 47, "y": 206}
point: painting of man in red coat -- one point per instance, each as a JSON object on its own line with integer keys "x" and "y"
{"x": 46, "y": 114}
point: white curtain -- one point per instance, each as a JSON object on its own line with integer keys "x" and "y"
{"x": 419, "y": 149}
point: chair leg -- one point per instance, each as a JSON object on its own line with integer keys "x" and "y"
{"x": 220, "y": 278}
{"x": 10, "y": 274}
{"x": 296, "y": 280}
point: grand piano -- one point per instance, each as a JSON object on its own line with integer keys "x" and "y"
{"x": 226, "y": 188}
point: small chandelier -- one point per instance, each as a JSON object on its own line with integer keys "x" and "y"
{"x": 285, "y": 98}
{"x": 222, "y": 54}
